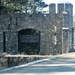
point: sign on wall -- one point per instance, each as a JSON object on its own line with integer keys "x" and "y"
{"x": 29, "y": 38}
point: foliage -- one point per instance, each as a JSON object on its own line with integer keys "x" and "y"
{"x": 36, "y": 6}
{"x": 27, "y": 6}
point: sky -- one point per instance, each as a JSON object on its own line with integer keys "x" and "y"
{"x": 60, "y": 1}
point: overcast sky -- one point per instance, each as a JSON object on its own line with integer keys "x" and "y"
{"x": 60, "y": 1}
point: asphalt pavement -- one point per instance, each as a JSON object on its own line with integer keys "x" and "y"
{"x": 61, "y": 65}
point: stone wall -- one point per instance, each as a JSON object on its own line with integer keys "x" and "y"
{"x": 44, "y": 23}
{"x": 7, "y": 62}
{"x": 50, "y": 25}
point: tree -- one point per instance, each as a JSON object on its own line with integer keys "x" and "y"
{"x": 11, "y": 5}
{"x": 31, "y": 6}
{"x": 2, "y": 7}
{"x": 36, "y": 5}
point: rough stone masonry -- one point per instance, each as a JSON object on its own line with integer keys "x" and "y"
{"x": 38, "y": 33}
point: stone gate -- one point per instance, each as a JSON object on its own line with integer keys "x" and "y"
{"x": 36, "y": 33}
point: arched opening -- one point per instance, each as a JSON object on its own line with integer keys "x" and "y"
{"x": 29, "y": 41}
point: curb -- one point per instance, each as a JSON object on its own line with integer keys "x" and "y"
{"x": 30, "y": 63}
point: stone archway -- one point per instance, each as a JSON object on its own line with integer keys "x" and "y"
{"x": 29, "y": 41}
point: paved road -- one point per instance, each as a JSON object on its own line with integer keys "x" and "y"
{"x": 61, "y": 65}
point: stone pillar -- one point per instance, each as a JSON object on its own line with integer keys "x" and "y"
{"x": 52, "y": 8}
{"x": 11, "y": 42}
{"x": 44, "y": 44}
{"x": 65, "y": 40}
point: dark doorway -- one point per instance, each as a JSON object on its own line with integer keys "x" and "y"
{"x": 29, "y": 41}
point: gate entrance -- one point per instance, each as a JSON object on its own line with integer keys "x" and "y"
{"x": 29, "y": 41}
